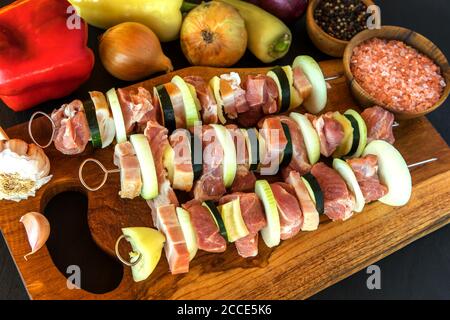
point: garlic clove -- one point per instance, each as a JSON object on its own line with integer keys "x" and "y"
{"x": 38, "y": 230}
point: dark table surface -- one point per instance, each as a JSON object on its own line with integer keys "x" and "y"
{"x": 419, "y": 271}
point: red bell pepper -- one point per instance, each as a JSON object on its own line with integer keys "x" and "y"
{"x": 42, "y": 57}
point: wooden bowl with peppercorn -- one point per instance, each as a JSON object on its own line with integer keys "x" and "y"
{"x": 397, "y": 69}
{"x": 332, "y": 23}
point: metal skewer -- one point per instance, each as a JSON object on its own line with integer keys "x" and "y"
{"x": 105, "y": 176}
{"x": 421, "y": 163}
{"x": 125, "y": 262}
{"x": 337, "y": 76}
{"x": 30, "y": 132}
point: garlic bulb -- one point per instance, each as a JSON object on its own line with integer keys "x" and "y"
{"x": 38, "y": 230}
{"x": 24, "y": 168}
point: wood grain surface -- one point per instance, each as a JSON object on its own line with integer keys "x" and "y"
{"x": 298, "y": 268}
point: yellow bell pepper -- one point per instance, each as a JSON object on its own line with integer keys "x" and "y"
{"x": 164, "y": 17}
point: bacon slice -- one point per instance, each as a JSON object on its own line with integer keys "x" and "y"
{"x": 165, "y": 197}
{"x": 130, "y": 171}
{"x": 176, "y": 97}
{"x": 275, "y": 141}
{"x": 207, "y": 232}
{"x": 180, "y": 141}
{"x": 339, "y": 202}
{"x": 205, "y": 95}
{"x": 210, "y": 186}
{"x": 233, "y": 96}
{"x": 379, "y": 124}
{"x": 310, "y": 214}
{"x": 330, "y": 132}
{"x": 137, "y": 108}
{"x": 229, "y": 104}
{"x": 71, "y": 128}
{"x": 301, "y": 83}
{"x": 366, "y": 172}
{"x": 291, "y": 217}
{"x": 256, "y": 92}
{"x": 175, "y": 246}
{"x": 157, "y": 136}
{"x": 158, "y": 139}
{"x": 254, "y": 218}
{"x": 241, "y": 101}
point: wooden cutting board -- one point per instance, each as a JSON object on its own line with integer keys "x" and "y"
{"x": 298, "y": 268}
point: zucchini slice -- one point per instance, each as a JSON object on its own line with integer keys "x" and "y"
{"x": 148, "y": 170}
{"x": 194, "y": 96}
{"x": 104, "y": 118}
{"x": 317, "y": 101}
{"x": 349, "y": 177}
{"x": 271, "y": 233}
{"x": 233, "y": 221}
{"x": 287, "y": 154}
{"x": 359, "y": 133}
{"x": 392, "y": 171}
{"x": 284, "y": 88}
{"x": 310, "y": 190}
{"x": 310, "y": 136}
{"x": 168, "y": 114}
{"x": 113, "y": 100}
{"x": 229, "y": 154}
{"x": 296, "y": 100}
{"x": 312, "y": 184}
{"x": 96, "y": 138}
{"x": 251, "y": 139}
{"x": 184, "y": 218}
{"x": 355, "y": 136}
{"x": 197, "y": 166}
{"x": 344, "y": 148}
{"x": 216, "y": 217}
{"x": 247, "y": 147}
{"x": 214, "y": 83}
{"x": 190, "y": 106}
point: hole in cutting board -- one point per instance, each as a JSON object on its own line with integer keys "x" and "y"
{"x": 70, "y": 243}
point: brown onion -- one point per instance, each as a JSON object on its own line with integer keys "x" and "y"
{"x": 213, "y": 34}
{"x": 131, "y": 51}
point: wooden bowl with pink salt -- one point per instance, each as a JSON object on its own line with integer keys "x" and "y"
{"x": 398, "y": 69}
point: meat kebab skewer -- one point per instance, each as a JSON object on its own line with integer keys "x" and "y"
{"x": 177, "y": 104}
{"x": 165, "y": 215}
{"x": 177, "y": 155}
{"x": 278, "y": 210}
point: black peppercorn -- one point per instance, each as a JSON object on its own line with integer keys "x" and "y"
{"x": 341, "y": 19}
